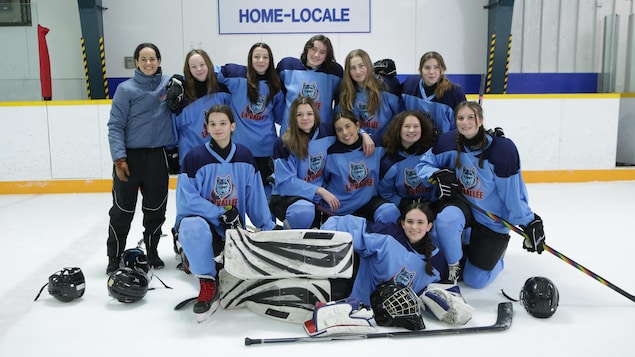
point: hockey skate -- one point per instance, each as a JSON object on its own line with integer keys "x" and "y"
{"x": 207, "y": 301}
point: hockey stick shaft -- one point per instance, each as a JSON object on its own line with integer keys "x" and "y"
{"x": 503, "y": 322}
{"x": 552, "y": 251}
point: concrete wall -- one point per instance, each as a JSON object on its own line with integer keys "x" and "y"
{"x": 52, "y": 143}
{"x": 555, "y": 36}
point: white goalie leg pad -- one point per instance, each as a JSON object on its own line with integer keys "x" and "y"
{"x": 341, "y": 317}
{"x": 292, "y": 253}
{"x": 445, "y": 302}
{"x": 290, "y": 300}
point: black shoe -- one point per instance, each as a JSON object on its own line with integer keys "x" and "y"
{"x": 113, "y": 264}
{"x": 151, "y": 244}
{"x": 155, "y": 262}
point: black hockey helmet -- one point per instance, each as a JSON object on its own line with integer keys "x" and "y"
{"x": 539, "y": 296}
{"x": 395, "y": 304}
{"x": 67, "y": 284}
{"x": 135, "y": 259}
{"x": 386, "y": 67}
{"x": 127, "y": 284}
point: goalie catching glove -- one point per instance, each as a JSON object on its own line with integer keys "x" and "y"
{"x": 342, "y": 317}
{"x": 445, "y": 302}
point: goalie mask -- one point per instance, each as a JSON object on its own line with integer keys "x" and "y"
{"x": 135, "y": 259}
{"x": 539, "y": 296}
{"x": 66, "y": 284}
{"x": 395, "y": 304}
{"x": 127, "y": 284}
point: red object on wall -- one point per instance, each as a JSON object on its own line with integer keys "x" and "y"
{"x": 45, "y": 63}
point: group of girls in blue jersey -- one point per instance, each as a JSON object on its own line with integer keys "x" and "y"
{"x": 355, "y": 146}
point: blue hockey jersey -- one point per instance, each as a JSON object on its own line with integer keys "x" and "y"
{"x": 295, "y": 177}
{"x": 351, "y": 176}
{"x": 497, "y": 188}
{"x": 384, "y": 256}
{"x": 255, "y": 122}
{"x": 189, "y": 126}
{"x": 398, "y": 179}
{"x": 318, "y": 84}
{"x": 391, "y": 104}
{"x": 207, "y": 183}
{"x": 441, "y": 110}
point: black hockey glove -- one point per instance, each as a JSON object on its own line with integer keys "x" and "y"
{"x": 174, "y": 94}
{"x": 535, "y": 235}
{"x": 173, "y": 160}
{"x": 386, "y": 67}
{"x": 231, "y": 218}
{"x": 497, "y": 131}
{"x": 447, "y": 185}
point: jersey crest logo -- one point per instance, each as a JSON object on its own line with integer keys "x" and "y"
{"x": 309, "y": 90}
{"x": 362, "y": 109}
{"x": 315, "y": 163}
{"x": 358, "y": 171}
{"x": 468, "y": 177}
{"x": 223, "y": 187}
{"x": 258, "y": 107}
{"x": 404, "y": 277}
{"x": 411, "y": 178}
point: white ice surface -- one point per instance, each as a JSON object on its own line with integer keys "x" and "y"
{"x": 591, "y": 223}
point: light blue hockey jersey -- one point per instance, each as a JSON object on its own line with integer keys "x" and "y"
{"x": 255, "y": 122}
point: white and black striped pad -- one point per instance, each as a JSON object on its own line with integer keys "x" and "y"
{"x": 289, "y": 300}
{"x": 289, "y": 253}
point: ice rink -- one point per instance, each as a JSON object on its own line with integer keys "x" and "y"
{"x": 588, "y": 222}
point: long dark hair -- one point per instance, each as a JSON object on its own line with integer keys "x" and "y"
{"x": 329, "y": 60}
{"x": 271, "y": 76}
{"x": 294, "y": 138}
{"x": 424, "y": 246}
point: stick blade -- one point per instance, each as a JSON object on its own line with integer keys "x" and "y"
{"x": 505, "y": 315}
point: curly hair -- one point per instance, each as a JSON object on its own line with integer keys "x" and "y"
{"x": 392, "y": 137}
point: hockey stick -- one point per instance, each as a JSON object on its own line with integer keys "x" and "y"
{"x": 551, "y": 250}
{"x": 503, "y": 322}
